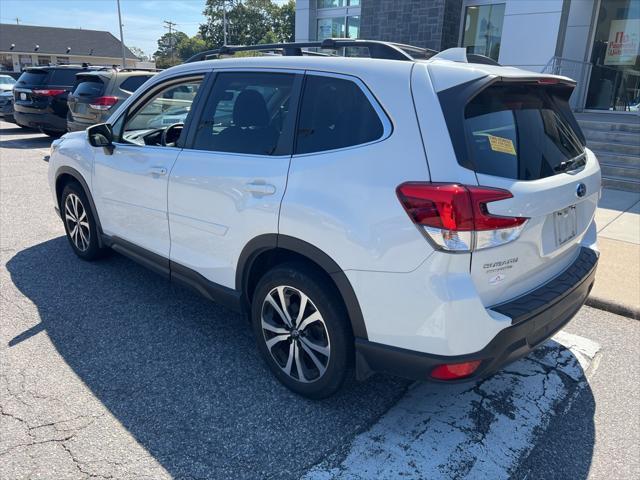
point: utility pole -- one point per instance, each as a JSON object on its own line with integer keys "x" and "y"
{"x": 170, "y": 25}
{"x": 224, "y": 21}
{"x": 124, "y": 64}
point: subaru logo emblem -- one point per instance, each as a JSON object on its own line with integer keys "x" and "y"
{"x": 581, "y": 191}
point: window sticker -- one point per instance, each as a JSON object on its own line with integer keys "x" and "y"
{"x": 500, "y": 144}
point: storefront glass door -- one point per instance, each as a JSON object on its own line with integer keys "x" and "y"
{"x": 615, "y": 61}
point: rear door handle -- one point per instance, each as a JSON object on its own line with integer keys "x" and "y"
{"x": 260, "y": 188}
{"x": 158, "y": 171}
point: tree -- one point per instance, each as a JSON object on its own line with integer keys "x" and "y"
{"x": 166, "y": 55}
{"x": 248, "y": 22}
{"x": 138, "y": 52}
{"x": 188, "y": 47}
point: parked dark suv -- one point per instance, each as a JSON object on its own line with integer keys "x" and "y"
{"x": 40, "y": 97}
{"x": 97, "y": 94}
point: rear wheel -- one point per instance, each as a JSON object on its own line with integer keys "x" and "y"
{"x": 302, "y": 330}
{"x": 79, "y": 222}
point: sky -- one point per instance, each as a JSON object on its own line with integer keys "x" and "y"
{"x": 142, "y": 19}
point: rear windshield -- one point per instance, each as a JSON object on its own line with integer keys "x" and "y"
{"x": 522, "y": 132}
{"x": 88, "y": 87}
{"x": 32, "y": 77}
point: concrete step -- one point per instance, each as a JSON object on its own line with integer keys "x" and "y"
{"x": 619, "y": 148}
{"x": 612, "y": 136}
{"x": 631, "y": 173}
{"x": 620, "y": 183}
{"x": 630, "y": 127}
{"x": 618, "y": 159}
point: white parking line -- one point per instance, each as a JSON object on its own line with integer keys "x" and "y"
{"x": 470, "y": 431}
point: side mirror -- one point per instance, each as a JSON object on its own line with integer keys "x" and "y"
{"x": 101, "y": 135}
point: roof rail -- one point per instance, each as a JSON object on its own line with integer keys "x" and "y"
{"x": 377, "y": 49}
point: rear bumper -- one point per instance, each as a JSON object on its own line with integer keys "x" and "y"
{"x": 43, "y": 120}
{"x": 535, "y": 317}
{"x": 77, "y": 126}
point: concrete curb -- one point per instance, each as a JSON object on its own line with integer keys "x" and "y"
{"x": 607, "y": 305}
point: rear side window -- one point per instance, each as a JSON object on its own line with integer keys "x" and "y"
{"x": 335, "y": 113}
{"x": 88, "y": 87}
{"x": 63, "y": 76}
{"x": 131, "y": 84}
{"x": 32, "y": 77}
{"x": 520, "y": 132}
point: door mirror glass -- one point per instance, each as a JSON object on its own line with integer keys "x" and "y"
{"x": 100, "y": 135}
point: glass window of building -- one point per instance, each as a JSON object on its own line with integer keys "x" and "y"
{"x": 331, "y": 28}
{"x": 63, "y": 60}
{"x": 483, "y": 29}
{"x": 615, "y": 60}
{"x": 337, "y": 3}
{"x": 42, "y": 60}
{"x": 353, "y": 26}
{"x": 6, "y": 62}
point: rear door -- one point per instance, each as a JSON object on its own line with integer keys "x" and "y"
{"x": 521, "y": 136}
{"x": 227, "y": 185}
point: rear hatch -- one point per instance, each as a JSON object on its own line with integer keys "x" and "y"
{"x": 89, "y": 90}
{"x": 519, "y": 136}
{"x": 29, "y": 80}
{"x": 41, "y": 88}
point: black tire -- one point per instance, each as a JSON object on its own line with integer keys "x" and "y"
{"x": 79, "y": 239}
{"x": 322, "y": 297}
{"x": 52, "y": 133}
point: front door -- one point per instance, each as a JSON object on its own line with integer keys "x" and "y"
{"x": 130, "y": 184}
{"x": 226, "y": 187}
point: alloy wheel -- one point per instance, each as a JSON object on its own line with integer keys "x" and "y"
{"x": 295, "y": 334}
{"x": 77, "y": 221}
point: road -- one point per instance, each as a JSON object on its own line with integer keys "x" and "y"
{"x": 109, "y": 371}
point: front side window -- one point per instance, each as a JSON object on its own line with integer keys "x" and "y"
{"x": 335, "y": 113}
{"x": 248, "y": 113}
{"x": 166, "y": 108}
{"x": 521, "y": 132}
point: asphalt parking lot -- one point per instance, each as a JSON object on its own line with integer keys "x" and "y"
{"x": 109, "y": 371}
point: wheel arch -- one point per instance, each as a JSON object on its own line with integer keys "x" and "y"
{"x": 64, "y": 175}
{"x": 268, "y": 250}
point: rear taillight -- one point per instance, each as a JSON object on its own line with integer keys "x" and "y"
{"x": 103, "y": 103}
{"x": 456, "y": 218}
{"x": 48, "y": 92}
{"x": 455, "y": 371}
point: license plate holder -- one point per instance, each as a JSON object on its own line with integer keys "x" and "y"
{"x": 566, "y": 224}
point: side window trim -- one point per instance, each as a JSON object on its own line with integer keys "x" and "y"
{"x": 286, "y": 141}
{"x": 385, "y": 119}
{"x": 143, "y": 98}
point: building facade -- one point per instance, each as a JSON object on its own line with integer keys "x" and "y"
{"x": 23, "y": 46}
{"x": 596, "y": 42}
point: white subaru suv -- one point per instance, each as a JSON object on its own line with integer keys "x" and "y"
{"x": 424, "y": 215}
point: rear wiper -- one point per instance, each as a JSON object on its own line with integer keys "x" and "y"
{"x": 576, "y": 162}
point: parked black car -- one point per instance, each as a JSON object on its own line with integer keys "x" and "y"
{"x": 40, "y": 97}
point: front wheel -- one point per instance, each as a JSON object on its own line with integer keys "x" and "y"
{"x": 302, "y": 330}
{"x": 79, "y": 222}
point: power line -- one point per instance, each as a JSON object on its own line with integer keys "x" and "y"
{"x": 168, "y": 24}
